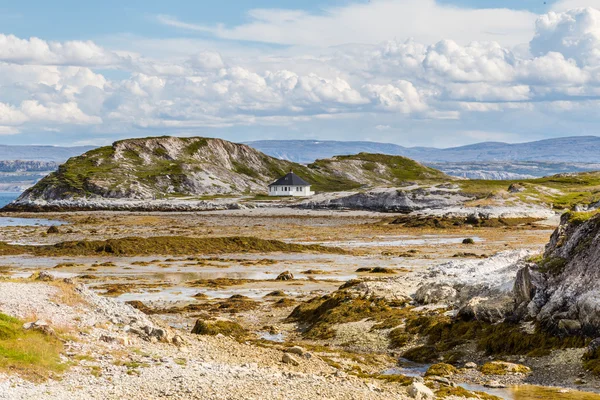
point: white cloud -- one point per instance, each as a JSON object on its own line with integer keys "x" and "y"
{"x": 374, "y": 22}
{"x": 40, "y": 52}
{"x": 574, "y": 33}
{"x": 418, "y": 83}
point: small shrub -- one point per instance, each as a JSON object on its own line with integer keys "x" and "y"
{"x": 468, "y": 241}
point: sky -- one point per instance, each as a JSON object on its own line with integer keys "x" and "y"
{"x": 416, "y": 73}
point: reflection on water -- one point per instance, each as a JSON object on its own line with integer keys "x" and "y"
{"x": 272, "y": 337}
{"x": 522, "y": 392}
{"x": 531, "y": 392}
{"x": 10, "y": 221}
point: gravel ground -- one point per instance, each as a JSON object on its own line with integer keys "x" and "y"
{"x": 199, "y": 367}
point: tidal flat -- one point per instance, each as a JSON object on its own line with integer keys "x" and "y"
{"x": 340, "y": 288}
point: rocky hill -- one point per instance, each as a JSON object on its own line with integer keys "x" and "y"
{"x": 167, "y": 167}
{"x": 561, "y": 289}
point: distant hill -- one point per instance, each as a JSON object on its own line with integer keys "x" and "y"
{"x": 169, "y": 166}
{"x": 579, "y": 149}
{"x": 41, "y": 153}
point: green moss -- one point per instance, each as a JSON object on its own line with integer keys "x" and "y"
{"x": 459, "y": 392}
{"x": 399, "y": 338}
{"x": 171, "y": 245}
{"x": 319, "y": 315}
{"x": 226, "y": 328}
{"x": 422, "y": 354}
{"x": 578, "y": 218}
{"x": 503, "y": 368}
{"x": 441, "y": 369}
{"x": 553, "y": 265}
{"x": 591, "y": 361}
{"x": 444, "y": 334}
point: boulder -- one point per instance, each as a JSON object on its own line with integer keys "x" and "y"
{"x": 419, "y": 391}
{"x": 569, "y": 326}
{"x": 487, "y": 309}
{"x": 434, "y": 294}
{"x": 40, "y": 326}
{"x": 285, "y": 276}
{"x": 516, "y": 188}
{"x": 288, "y": 359}
{"x": 45, "y": 276}
{"x": 523, "y": 289}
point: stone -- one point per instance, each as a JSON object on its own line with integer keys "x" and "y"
{"x": 45, "y": 276}
{"x": 178, "y": 340}
{"x": 107, "y": 338}
{"x": 40, "y": 326}
{"x": 288, "y": 359}
{"x": 440, "y": 379}
{"x": 516, "y": 188}
{"x": 470, "y": 365}
{"x": 523, "y": 289}
{"x": 494, "y": 385}
{"x": 592, "y": 347}
{"x": 295, "y": 350}
{"x": 53, "y": 230}
{"x": 285, "y": 276}
{"x": 569, "y": 325}
{"x": 486, "y": 309}
{"x": 433, "y": 294}
{"x": 419, "y": 391}
{"x": 580, "y": 381}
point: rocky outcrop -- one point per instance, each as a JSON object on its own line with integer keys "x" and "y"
{"x": 561, "y": 291}
{"x": 389, "y": 200}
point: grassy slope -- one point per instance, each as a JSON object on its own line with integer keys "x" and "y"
{"x": 562, "y": 191}
{"x": 397, "y": 168}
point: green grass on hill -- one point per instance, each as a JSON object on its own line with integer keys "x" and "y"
{"x": 561, "y": 191}
{"x": 397, "y": 168}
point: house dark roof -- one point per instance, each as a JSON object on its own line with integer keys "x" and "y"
{"x": 290, "y": 179}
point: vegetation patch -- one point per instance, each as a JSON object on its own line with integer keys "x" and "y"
{"x": 552, "y": 265}
{"x": 226, "y": 328}
{"x": 444, "y": 334}
{"x": 503, "y": 368}
{"x": 459, "y": 392}
{"x": 441, "y": 369}
{"x": 163, "y": 245}
{"x": 31, "y": 354}
{"x": 457, "y": 223}
{"x": 319, "y": 315}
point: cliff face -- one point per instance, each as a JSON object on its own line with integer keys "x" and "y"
{"x": 156, "y": 168}
{"x": 562, "y": 290}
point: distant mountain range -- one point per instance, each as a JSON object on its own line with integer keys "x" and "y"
{"x": 41, "y": 153}
{"x": 575, "y": 149}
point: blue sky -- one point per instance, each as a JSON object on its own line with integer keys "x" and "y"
{"x": 441, "y": 73}
{"x": 71, "y": 19}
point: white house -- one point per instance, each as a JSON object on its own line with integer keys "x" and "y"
{"x": 290, "y": 185}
